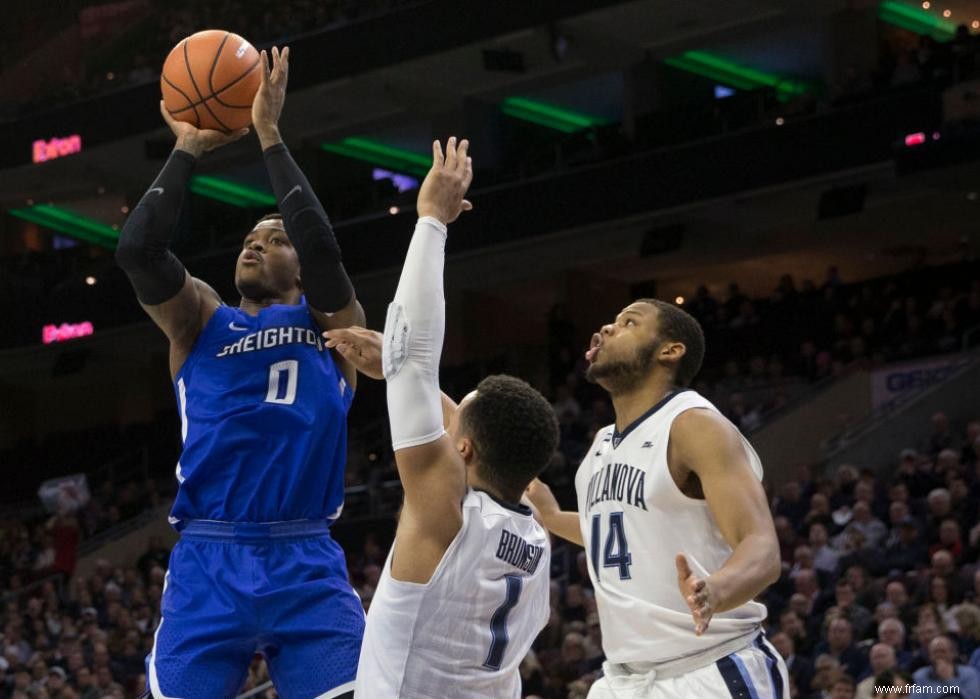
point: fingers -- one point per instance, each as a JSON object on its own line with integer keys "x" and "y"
{"x": 339, "y": 335}
{"x": 467, "y": 172}
{"x": 235, "y": 135}
{"x": 437, "y": 157}
{"x": 284, "y": 59}
{"x": 264, "y": 55}
{"x": 683, "y": 569}
{"x": 464, "y": 146}
{"x": 166, "y": 114}
{"x": 451, "y": 153}
{"x": 467, "y": 205}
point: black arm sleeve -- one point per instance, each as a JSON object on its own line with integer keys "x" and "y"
{"x": 325, "y": 281}
{"x": 143, "y": 251}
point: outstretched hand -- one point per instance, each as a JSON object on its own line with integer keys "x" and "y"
{"x": 198, "y": 141}
{"x": 444, "y": 188}
{"x": 267, "y": 105}
{"x": 696, "y": 593}
{"x": 359, "y": 346}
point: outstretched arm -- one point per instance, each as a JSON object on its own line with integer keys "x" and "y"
{"x": 362, "y": 349}
{"x": 328, "y": 289}
{"x": 709, "y": 445}
{"x": 548, "y": 512}
{"x": 432, "y": 471}
{"x": 179, "y": 304}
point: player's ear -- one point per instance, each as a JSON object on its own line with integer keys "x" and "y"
{"x": 466, "y": 450}
{"x": 672, "y": 352}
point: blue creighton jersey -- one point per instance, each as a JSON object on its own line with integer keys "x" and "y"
{"x": 263, "y": 411}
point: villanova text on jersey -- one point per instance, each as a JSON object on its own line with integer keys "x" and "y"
{"x": 618, "y": 482}
{"x": 263, "y": 413}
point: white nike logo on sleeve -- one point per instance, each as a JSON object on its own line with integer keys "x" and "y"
{"x": 292, "y": 191}
{"x": 158, "y": 190}
{"x": 232, "y": 326}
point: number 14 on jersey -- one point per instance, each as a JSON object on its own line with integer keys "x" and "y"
{"x": 615, "y": 551}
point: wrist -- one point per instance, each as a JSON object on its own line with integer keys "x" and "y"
{"x": 268, "y": 135}
{"x": 189, "y": 146}
{"x": 434, "y": 215}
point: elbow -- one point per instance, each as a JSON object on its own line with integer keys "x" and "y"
{"x": 128, "y": 255}
{"x": 774, "y": 565}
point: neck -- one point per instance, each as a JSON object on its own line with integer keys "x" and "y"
{"x": 632, "y": 403}
{"x": 478, "y": 483}
{"x": 253, "y": 306}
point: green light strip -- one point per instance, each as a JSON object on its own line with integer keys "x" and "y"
{"x": 548, "y": 115}
{"x": 539, "y": 119}
{"x": 734, "y": 75}
{"x": 230, "y": 192}
{"x": 383, "y": 155}
{"x": 72, "y": 224}
{"x": 916, "y": 20}
{"x": 222, "y": 196}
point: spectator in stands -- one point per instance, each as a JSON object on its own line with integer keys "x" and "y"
{"x": 891, "y": 632}
{"x": 908, "y": 552}
{"x": 860, "y": 618}
{"x": 840, "y": 646}
{"x": 800, "y": 668}
{"x": 942, "y": 436}
{"x": 943, "y": 671}
{"x": 881, "y": 658}
{"x": 825, "y": 557}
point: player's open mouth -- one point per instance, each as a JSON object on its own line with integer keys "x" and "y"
{"x": 594, "y": 348}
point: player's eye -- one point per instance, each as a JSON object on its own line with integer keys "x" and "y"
{"x": 630, "y": 321}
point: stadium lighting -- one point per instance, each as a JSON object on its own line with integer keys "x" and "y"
{"x": 380, "y": 154}
{"x": 726, "y": 72}
{"x": 69, "y": 223}
{"x": 916, "y": 20}
{"x": 228, "y": 192}
{"x": 548, "y": 115}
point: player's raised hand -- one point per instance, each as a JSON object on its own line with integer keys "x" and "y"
{"x": 267, "y": 105}
{"x": 198, "y": 141}
{"x": 696, "y": 593}
{"x": 443, "y": 191}
{"x": 359, "y": 346}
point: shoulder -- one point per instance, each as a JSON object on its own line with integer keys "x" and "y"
{"x": 697, "y": 423}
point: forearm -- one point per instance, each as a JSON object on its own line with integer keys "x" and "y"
{"x": 564, "y": 524}
{"x": 413, "y": 337}
{"x": 325, "y": 281}
{"x": 143, "y": 251}
{"x": 752, "y": 567}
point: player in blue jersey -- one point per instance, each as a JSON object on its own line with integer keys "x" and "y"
{"x": 263, "y": 406}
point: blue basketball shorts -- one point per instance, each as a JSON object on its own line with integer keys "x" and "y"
{"x": 234, "y": 590}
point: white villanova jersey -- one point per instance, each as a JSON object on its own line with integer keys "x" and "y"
{"x": 635, "y": 520}
{"x": 463, "y": 634}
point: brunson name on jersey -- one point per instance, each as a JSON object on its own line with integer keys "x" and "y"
{"x": 515, "y": 550}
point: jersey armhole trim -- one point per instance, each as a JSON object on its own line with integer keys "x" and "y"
{"x": 200, "y": 341}
{"x": 443, "y": 562}
{"x": 676, "y": 489}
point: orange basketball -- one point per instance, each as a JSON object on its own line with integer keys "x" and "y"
{"x": 210, "y": 79}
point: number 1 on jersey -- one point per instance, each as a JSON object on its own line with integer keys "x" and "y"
{"x": 498, "y": 623}
{"x": 615, "y": 552}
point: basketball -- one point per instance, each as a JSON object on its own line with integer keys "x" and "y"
{"x": 210, "y": 79}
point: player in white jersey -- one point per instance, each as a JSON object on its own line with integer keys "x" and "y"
{"x": 674, "y": 521}
{"x": 465, "y": 589}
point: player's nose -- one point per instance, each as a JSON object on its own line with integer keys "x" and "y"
{"x": 608, "y": 329}
{"x": 256, "y": 245}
